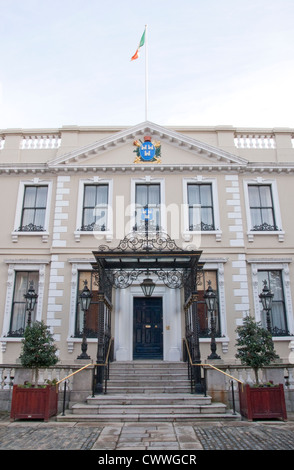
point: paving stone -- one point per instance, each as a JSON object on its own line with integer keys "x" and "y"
{"x": 204, "y": 435}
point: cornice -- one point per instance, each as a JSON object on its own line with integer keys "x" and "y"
{"x": 14, "y": 169}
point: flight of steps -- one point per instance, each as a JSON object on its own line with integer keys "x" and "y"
{"x": 147, "y": 391}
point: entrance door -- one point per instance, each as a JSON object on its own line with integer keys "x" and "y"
{"x": 148, "y": 328}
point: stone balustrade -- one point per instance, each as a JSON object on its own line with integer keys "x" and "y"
{"x": 255, "y": 141}
{"x": 7, "y": 374}
{"x": 42, "y": 141}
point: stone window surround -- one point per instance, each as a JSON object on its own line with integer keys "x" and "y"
{"x": 282, "y": 265}
{"x": 145, "y": 180}
{"x": 276, "y": 206}
{"x": 94, "y": 180}
{"x": 13, "y": 267}
{"x": 19, "y": 205}
{"x": 187, "y": 234}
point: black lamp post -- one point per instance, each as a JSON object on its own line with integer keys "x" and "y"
{"x": 31, "y": 299}
{"x": 85, "y": 299}
{"x": 210, "y": 299}
{"x": 266, "y": 298}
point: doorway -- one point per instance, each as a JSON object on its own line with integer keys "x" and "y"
{"x": 148, "y": 328}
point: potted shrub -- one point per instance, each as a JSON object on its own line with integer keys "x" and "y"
{"x": 31, "y": 400}
{"x": 256, "y": 350}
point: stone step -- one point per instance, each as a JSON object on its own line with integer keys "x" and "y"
{"x": 147, "y": 382}
{"x": 152, "y": 418}
{"x": 155, "y": 410}
{"x": 156, "y": 388}
{"x": 143, "y": 399}
{"x": 148, "y": 377}
{"x": 171, "y": 368}
{"x": 147, "y": 391}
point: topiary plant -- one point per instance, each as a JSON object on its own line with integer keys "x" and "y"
{"x": 38, "y": 348}
{"x": 255, "y": 345}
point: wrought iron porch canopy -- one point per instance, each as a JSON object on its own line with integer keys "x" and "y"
{"x": 153, "y": 254}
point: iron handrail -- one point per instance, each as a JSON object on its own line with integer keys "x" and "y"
{"x": 207, "y": 364}
{"x": 105, "y": 364}
{"x": 215, "y": 368}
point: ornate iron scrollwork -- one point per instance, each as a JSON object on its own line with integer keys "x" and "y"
{"x": 265, "y": 228}
{"x": 173, "y": 279}
{"x": 93, "y": 227}
{"x": 173, "y": 274}
{"x": 202, "y": 227}
{"x": 123, "y": 279}
{"x": 138, "y": 241}
{"x": 31, "y": 228}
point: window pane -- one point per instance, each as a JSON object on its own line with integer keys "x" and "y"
{"x": 141, "y": 195}
{"x": 193, "y": 194}
{"x": 90, "y": 196}
{"x": 206, "y": 198}
{"x": 207, "y": 217}
{"x": 41, "y": 198}
{"x": 39, "y": 218}
{"x": 265, "y": 196}
{"x": 28, "y": 217}
{"x": 154, "y": 194}
{"x": 30, "y": 196}
{"x": 267, "y": 217}
{"x": 100, "y": 218}
{"x": 254, "y": 199}
{"x": 102, "y": 196}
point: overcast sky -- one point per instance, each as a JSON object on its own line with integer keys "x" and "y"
{"x": 211, "y": 62}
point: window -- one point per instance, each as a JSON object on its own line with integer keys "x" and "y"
{"x": 91, "y": 324}
{"x": 147, "y": 203}
{"x": 200, "y": 205}
{"x": 19, "y": 313}
{"x": 278, "y": 313}
{"x": 34, "y": 209}
{"x": 95, "y": 208}
{"x": 203, "y": 314}
{"x": 261, "y": 208}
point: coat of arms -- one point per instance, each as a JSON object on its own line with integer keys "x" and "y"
{"x": 147, "y": 151}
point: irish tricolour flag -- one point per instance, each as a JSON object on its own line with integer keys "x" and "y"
{"x": 141, "y": 43}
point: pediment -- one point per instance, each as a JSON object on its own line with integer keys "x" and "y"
{"x": 177, "y": 149}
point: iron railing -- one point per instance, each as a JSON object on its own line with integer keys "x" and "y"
{"x": 192, "y": 368}
{"x": 105, "y": 365}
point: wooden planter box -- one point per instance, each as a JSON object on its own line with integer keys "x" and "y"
{"x": 34, "y": 403}
{"x": 262, "y": 402}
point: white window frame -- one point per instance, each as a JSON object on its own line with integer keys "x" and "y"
{"x": 13, "y": 267}
{"x": 273, "y": 265}
{"x": 188, "y": 234}
{"x": 44, "y": 234}
{"x": 276, "y": 207}
{"x": 147, "y": 180}
{"x": 108, "y": 234}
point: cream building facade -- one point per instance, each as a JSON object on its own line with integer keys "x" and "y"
{"x": 223, "y": 191}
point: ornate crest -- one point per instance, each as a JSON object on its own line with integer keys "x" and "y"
{"x": 147, "y": 151}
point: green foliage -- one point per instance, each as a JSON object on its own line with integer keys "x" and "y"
{"x": 255, "y": 345}
{"x": 38, "y": 348}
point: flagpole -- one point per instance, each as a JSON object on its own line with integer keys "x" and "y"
{"x": 146, "y": 73}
